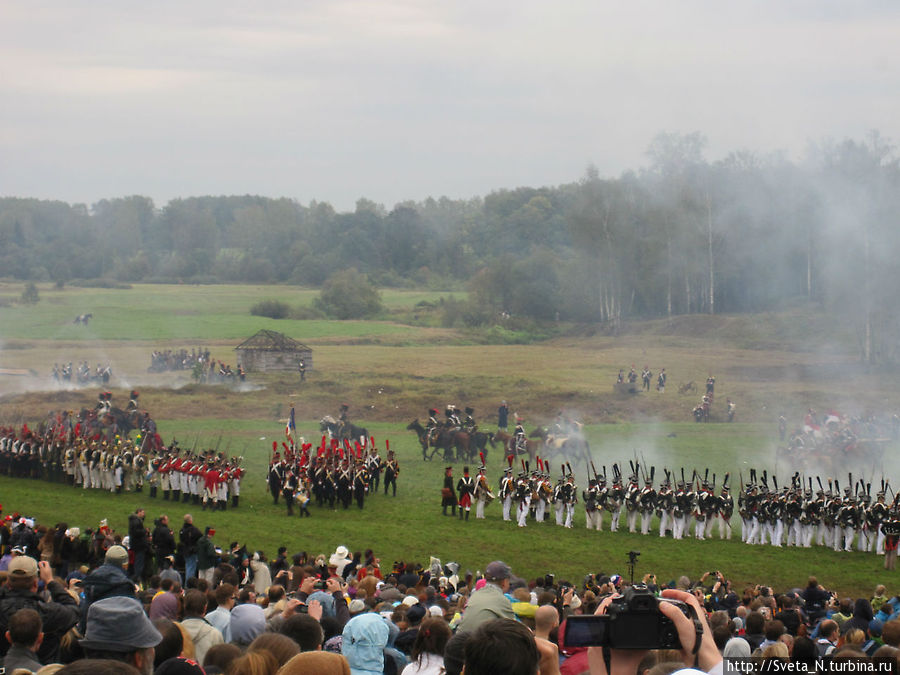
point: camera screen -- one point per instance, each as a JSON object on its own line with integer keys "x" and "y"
{"x": 585, "y": 631}
{"x": 636, "y": 631}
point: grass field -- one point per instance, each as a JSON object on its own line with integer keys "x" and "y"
{"x": 390, "y": 373}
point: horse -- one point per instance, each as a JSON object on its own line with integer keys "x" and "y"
{"x": 480, "y": 440}
{"x": 123, "y": 421}
{"x": 343, "y": 431}
{"x": 532, "y": 447}
{"x": 574, "y": 447}
{"x": 83, "y": 319}
{"x": 446, "y": 440}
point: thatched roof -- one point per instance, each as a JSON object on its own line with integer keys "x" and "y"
{"x": 270, "y": 341}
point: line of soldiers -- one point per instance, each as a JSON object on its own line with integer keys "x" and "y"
{"x": 121, "y": 465}
{"x": 331, "y": 474}
{"x": 796, "y": 516}
{"x": 534, "y": 494}
{"x": 82, "y": 373}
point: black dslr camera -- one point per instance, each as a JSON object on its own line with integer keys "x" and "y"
{"x": 632, "y": 621}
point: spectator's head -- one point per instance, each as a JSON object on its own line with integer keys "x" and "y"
{"x": 498, "y": 573}
{"x": 455, "y": 653}
{"x": 830, "y": 630}
{"x": 415, "y": 615}
{"x": 890, "y": 633}
{"x": 755, "y": 623}
{"x": 804, "y": 650}
{"x": 247, "y": 623}
{"x": 22, "y": 573}
{"x": 116, "y": 556}
{"x": 221, "y": 656}
{"x": 546, "y": 618}
{"x": 98, "y": 667}
{"x": 305, "y": 631}
{"x": 432, "y": 638}
{"x": 179, "y": 665}
{"x": 854, "y": 636}
{"x": 501, "y": 646}
{"x": 278, "y": 645}
{"x": 275, "y": 593}
{"x": 194, "y": 603}
{"x": 721, "y": 636}
{"x": 776, "y": 650}
{"x": 172, "y": 642}
{"x": 25, "y": 629}
{"x": 118, "y": 629}
{"x": 321, "y": 663}
{"x": 254, "y": 663}
{"x": 736, "y": 647}
{"x": 225, "y": 596}
{"x": 774, "y": 630}
{"x": 364, "y": 639}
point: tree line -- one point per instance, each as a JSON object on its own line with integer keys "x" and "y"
{"x": 681, "y": 235}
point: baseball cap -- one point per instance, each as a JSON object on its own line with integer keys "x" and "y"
{"x": 116, "y": 555}
{"x": 497, "y": 571}
{"x": 23, "y": 566}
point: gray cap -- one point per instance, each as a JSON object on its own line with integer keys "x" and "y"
{"x": 118, "y": 624}
{"x": 116, "y": 555}
{"x": 497, "y": 571}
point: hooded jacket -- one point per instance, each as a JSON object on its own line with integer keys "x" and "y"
{"x": 106, "y": 581}
{"x": 862, "y": 615}
{"x": 203, "y": 635}
{"x": 364, "y": 639}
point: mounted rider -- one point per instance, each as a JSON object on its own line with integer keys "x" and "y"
{"x": 469, "y": 424}
{"x": 519, "y": 437}
{"x": 342, "y": 420}
{"x": 133, "y": 401}
{"x": 452, "y": 415}
{"x": 433, "y": 425}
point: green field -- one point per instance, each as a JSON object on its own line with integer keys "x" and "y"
{"x": 390, "y": 373}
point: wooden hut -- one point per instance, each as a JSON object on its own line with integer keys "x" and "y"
{"x": 268, "y": 351}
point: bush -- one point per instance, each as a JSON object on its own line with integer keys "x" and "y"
{"x": 100, "y": 283}
{"x": 349, "y": 295}
{"x": 273, "y": 309}
{"x": 30, "y": 295}
{"x": 306, "y": 313}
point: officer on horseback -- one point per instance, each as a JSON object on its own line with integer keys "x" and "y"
{"x": 469, "y": 423}
{"x": 432, "y": 426}
{"x": 519, "y": 436}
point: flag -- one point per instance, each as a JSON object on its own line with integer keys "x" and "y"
{"x": 291, "y": 426}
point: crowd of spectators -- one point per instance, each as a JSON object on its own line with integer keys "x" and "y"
{"x": 232, "y": 611}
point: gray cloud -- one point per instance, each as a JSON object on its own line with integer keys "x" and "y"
{"x": 402, "y": 99}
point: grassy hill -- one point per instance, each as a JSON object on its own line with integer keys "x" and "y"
{"x": 393, "y": 370}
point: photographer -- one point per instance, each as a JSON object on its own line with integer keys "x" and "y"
{"x": 704, "y": 655}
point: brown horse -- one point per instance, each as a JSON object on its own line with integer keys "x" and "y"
{"x": 445, "y": 440}
{"x": 532, "y": 447}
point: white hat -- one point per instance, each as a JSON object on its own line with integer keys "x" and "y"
{"x": 436, "y": 611}
{"x": 341, "y": 552}
{"x": 410, "y": 600}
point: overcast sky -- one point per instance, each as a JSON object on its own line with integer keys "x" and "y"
{"x": 404, "y": 99}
